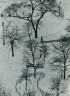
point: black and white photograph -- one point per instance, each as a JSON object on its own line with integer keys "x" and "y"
{"x": 34, "y": 47}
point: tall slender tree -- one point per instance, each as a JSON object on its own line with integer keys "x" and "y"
{"x": 62, "y": 55}
{"x": 13, "y": 37}
{"x": 31, "y": 52}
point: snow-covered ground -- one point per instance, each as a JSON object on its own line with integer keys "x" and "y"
{"x": 10, "y": 68}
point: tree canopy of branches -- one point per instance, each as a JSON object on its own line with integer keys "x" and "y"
{"x": 33, "y": 11}
{"x": 62, "y": 55}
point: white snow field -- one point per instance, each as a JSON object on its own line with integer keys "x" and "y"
{"x": 10, "y": 68}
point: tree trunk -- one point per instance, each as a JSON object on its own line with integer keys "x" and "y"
{"x": 36, "y": 34}
{"x": 3, "y": 41}
{"x": 12, "y": 49}
{"x": 26, "y": 77}
{"x": 35, "y": 73}
{"x": 26, "y": 82}
{"x": 3, "y": 36}
{"x": 64, "y": 72}
{"x": 57, "y": 93}
{"x": 44, "y": 57}
{"x": 64, "y": 69}
{"x": 61, "y": 75}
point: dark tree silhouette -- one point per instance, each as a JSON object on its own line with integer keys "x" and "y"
{"x": 33, "y": 11}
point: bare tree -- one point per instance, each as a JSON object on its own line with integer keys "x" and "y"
{"x": 61, "y": 55}
{"x": 33, "y": 11}
{"x": 31, "y": 52}
{"x": 13, "y": 37}
{"x": 57, "y": 86}
{"x": 32, "y": 55}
